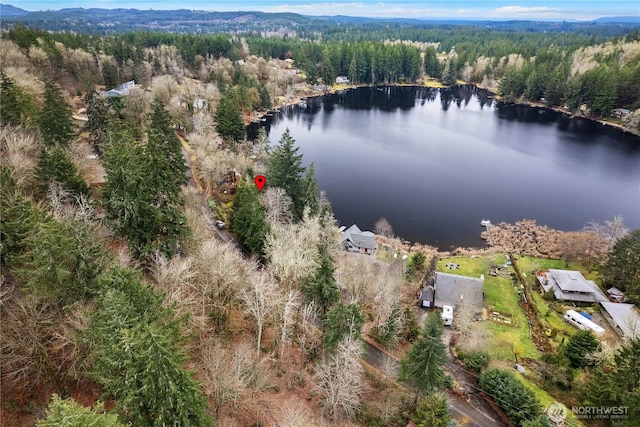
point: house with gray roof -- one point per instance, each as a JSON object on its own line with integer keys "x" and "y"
{"x": 122, "y": 89}
{"x": 623, "y": 318}
{"x": 452, "y": 289}
{"x": 570, "y": 285}
{"x": 355, "y": 240}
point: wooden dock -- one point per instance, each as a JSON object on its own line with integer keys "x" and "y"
{"x": 487, "y": 223}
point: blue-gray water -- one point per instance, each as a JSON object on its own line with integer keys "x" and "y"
{"x": 435, "y": 163}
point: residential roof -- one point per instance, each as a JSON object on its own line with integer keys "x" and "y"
{"x": 122, "y": 89}
{"x": 451, "y": 289}
{"x": 625, "y": 316}
{"x": 570, "y": 285}
{"x": 359, "y": 238}
{"x": 427, "y": 294}
{"x": 615, "y": 291}
{"x": 571, "y": 281}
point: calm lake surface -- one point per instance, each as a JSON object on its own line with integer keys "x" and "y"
{"x": 436, "y": 162}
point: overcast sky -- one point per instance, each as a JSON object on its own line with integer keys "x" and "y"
{"x": 470, "y": 9}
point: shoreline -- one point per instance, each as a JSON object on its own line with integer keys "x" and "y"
{"x": 257, "y": 117}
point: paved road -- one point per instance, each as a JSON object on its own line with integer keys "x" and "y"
{"x": 461, "y": 411}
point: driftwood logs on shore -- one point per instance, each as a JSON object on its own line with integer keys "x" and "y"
{"x": 526, "y": 237}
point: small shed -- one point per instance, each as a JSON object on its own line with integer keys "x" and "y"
{"x": 427, "y": 297}
{"x": 616, "y": 295}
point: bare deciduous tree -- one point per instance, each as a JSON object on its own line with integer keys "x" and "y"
{"x": 610, "y": 231}
{"x": 463, "y": 318}
{"x": 309, "y": 320}
{"x": 277, "y": 206}
{"x": 234, "y": 377}
{"x": 383, "y": 228}
{"x": 581, "y": 245}
{"x": 292, "y": 251}
{"x": 291, "y": 303}
{"x": 27, "y": 322}
{"x": 340, "y": 377}
{"x": 18, "y": 151}
{"x": 261, "y": 298}
{"x": 220, "y": 271}
{"x": 295, "y": 415}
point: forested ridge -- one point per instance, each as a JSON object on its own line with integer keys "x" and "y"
{"x": 123, "y": 304}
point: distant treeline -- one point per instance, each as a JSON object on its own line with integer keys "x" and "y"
{"x": 556, "y": 68}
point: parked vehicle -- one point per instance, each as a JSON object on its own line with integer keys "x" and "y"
{"x": 581, "y": 322}
{"x": 447, "y": 315}
{"x": 220, "y": 225}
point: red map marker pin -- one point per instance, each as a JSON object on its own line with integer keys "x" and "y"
{"x": 260, "y": 181}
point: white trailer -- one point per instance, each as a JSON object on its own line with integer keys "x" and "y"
{"x": 581, "y": 322}
{"x": 447, "y": 315}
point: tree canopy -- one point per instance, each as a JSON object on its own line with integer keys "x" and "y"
{"x": 623, "y": 267}
{"x": 55, "y": 117}
{"x": 423, "y": 365}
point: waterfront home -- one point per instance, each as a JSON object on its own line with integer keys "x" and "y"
{"x": 452, "y": 290}
{"x": 570, "y": 285}
{"x": 355, "y": 240}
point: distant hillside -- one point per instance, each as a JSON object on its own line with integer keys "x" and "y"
{"x": 6, "y": 10}
{"x": 110, "y": 21}
{"x": 619, "y": 19}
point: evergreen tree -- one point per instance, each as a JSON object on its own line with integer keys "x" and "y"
{"x": 138, "y": 357}
{"x": 62, "y": 261}
{"x": 432, "y": 411}
{"x": 19, "y": 216}
{"x": 519, "y": 403}
{"x": 449, "y": 77}
{"x": 69, "y": 413}
{"x": 311, "y": 192}
{"x": 423, "y": 365}
{"x": 619, "y": 385}
{"x": 285, "y": 171}
{"x": 229, "y": 121}
{"x": 165, "y": 153}
{"x": 54, "y": 164}
{"x": 323, "y": 288}
{"x": 55, "y": 117}
{"x": 623, "y": 266}
{"x": 579, "y": 346}
{"x": 138, "y": 205}
{"x": 98, "y": 123}
{"x": 248, "y": 219}
{"x": 14, "y": 103}
{"x": 342, "y": 320}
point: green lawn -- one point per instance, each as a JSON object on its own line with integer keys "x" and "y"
{"x": 499, "y": 295}
{"x": 551, "y": 318}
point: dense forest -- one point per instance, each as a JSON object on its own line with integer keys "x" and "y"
{"x": 123, "y": 303}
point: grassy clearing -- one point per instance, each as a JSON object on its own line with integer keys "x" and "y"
{"x": 549, "y": 318}
{"x": 505, "y": 340}
{"x": 499, "y": 295}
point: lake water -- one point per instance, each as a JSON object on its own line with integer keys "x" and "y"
{"x": 436, "y": 162}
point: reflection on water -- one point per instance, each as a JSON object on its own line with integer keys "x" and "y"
{"x": 435, "y": 162}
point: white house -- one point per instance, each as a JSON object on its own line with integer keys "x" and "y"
{"x": 569, "y": 285}
{"x": 355, "y": 240}
{"x": 342, "y": 80}
{"x": 122, "y": 90}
